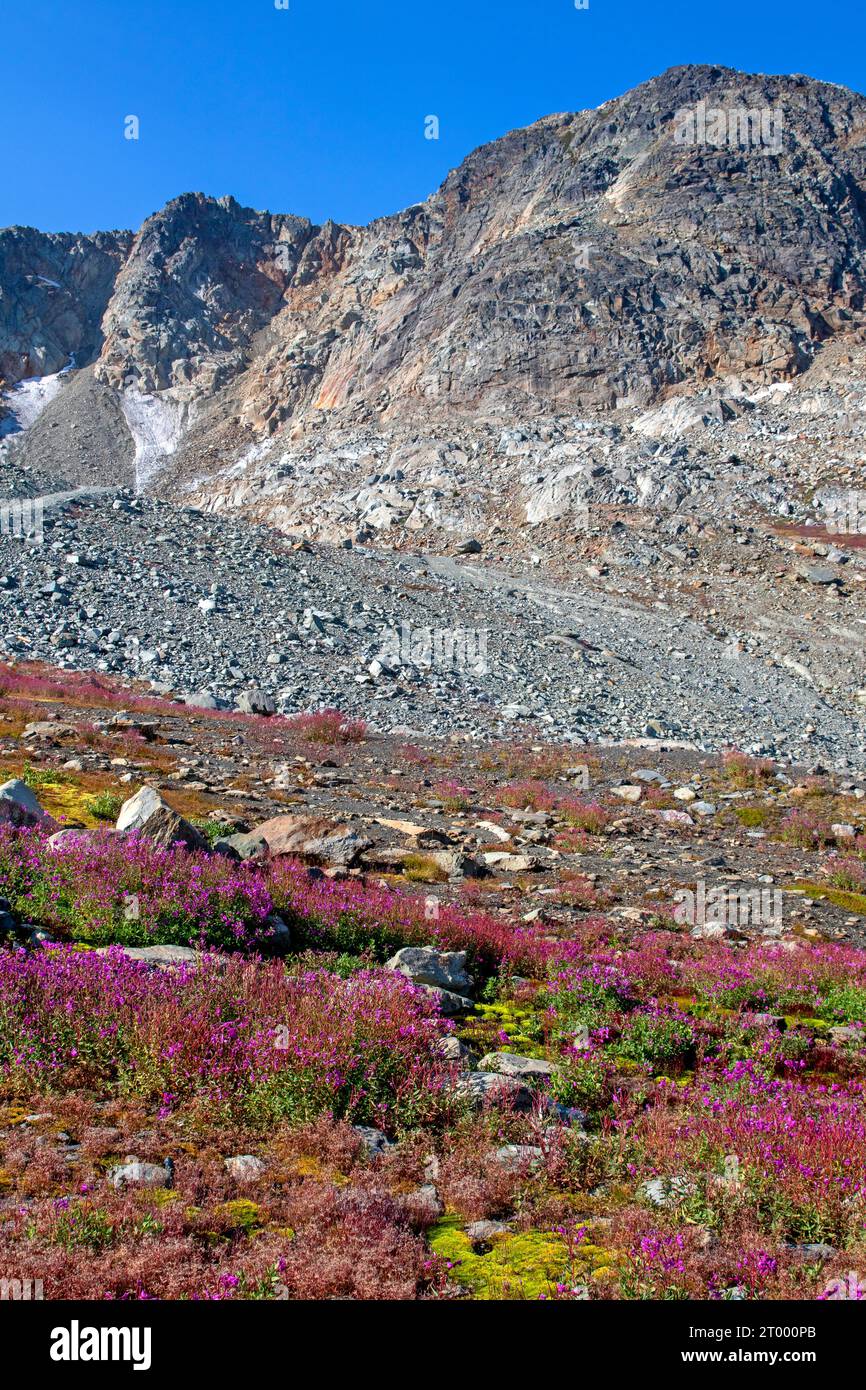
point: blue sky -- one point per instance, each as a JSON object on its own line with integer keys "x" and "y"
{"x": 319, "y": 109}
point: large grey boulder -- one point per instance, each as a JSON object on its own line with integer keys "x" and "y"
{"x": 135, "y": 1174}
{"x": 160, "y": 957}
{"x": 425, "y": 965}
{"x": 135, "y": 811}
{"x": 515, "y": 1158}
{"x": 450, "y": 1004}
{"x": 148, "y": 814}
{"x": 374, "y": 1141}
{"x": 666, "y": 1191}
{"x": 481, "y": 1232}
{"x": 71, "y": 835}
{"x": 511, "y": 1064}
{"x": 244, "y": 1167}
{"x": 315, "y": 839}
{"x": 453, "y": 1050}
{"x": 245, "y": 846}
{"x": 204, "y": 700}
{"x": 256, "y": 702}
{"x": 482, "y": 1088}
{"x": 49, "y": 729}
{"x": 19, "y": 805}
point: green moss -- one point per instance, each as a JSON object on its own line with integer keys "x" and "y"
{"x": 524, "y": 1265}
{"x": 519, "y": 1265}
{"x": 67, "y": 802}
{"x": 815, "y": 1025}
{"x": 242, "y": 1215}
{"x": 849, "y": 902}
{"x": 521, "y": 1025}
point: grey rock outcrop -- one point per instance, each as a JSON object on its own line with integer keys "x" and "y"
{"x": 148, "y": 814}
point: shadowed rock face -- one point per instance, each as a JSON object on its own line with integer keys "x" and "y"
{"x": 589, "y": 262}
{"x": 54, "y": 290}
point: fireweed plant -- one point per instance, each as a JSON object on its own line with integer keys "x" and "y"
{"x": 105, "y": 890}
{"x": 238, "y": 1038}
{"x": 702, "y": 1128}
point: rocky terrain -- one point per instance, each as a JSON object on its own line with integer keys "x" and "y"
{"x": 217, "y": 611}
{"x": 291, "y": 1011}
{"x": 608, "y": 470}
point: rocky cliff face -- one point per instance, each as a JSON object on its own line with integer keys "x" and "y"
{"x": 54, "y": 290}
{"x": 591, "y": 265}
{"x": 202, "y": 278}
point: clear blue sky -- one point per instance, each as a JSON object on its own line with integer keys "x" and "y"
{"x": 319, "y": 109}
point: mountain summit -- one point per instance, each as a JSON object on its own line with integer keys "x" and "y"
{"x": 707, "y": 225}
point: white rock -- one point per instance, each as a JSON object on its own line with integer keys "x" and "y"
{"x": 684, "y": 794}
{"x": 244, "y": 1167}
{"x": 135, "y": 812}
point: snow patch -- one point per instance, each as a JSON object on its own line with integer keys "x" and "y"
{"x": 26, "y": 401}
{"x": 156, "y": 424}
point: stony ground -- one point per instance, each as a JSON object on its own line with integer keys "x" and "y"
{"x": 208, "y": 606}
{"x": 543, "y": 1162}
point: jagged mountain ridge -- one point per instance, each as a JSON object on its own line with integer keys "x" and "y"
{"x": 581, "y": 266}
{"x": 54, "y": 291}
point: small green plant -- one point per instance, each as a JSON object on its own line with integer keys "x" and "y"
{"x": 589, "y": 816}
{"x": 453, "y": 796}
{"x": 212, "y": 830}
{"x": 329, "y": 726}
{"x": 347, "y": 965}
{"x": 105, "y": 805}
{"x": 421, "y": 868}
{"x": 656, "y": 1040}
{"x": 584, "y": 1085}
{"x": 36, "y": 777}
{"x": 81, "y": 1226}
{"x": 804, "y": 830}
{"x": 844, "y": 1003}
{"x": 745, "y": 773}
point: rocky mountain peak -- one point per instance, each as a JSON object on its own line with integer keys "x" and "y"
{"x": 709, "y": 225}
